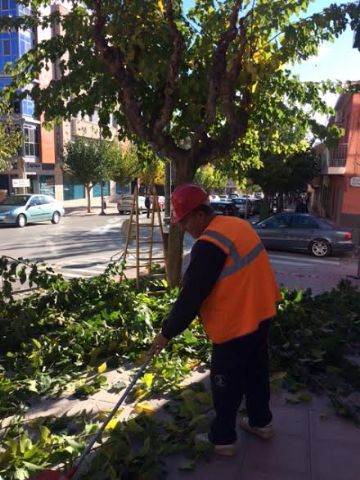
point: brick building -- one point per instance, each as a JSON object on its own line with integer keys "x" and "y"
{"x": 337, "y": 189}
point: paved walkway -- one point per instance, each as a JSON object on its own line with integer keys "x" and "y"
{"x": 310, "y": 443}
{"x": 110, "y": 209}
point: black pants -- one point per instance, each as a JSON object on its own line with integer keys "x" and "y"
{"x": 240, "y": 367}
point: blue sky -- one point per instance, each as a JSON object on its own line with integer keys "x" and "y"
{"x": 335, "y": 61}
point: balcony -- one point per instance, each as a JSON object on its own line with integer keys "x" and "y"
{"x": 338, "y": 155}
{"x": 337, "y": 160}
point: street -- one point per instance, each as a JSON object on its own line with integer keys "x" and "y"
{"x": 81, "y": 245}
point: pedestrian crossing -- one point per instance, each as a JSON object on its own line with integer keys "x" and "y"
{"x": 284, "y": 263}
{"x": 301, "y": 260}
{"x": 77, "y": 269}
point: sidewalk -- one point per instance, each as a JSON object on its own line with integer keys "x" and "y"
{"x": 310, "y": 441}
{"x": 111, "y": 209}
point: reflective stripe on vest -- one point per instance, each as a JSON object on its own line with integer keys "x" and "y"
{"x": 238, "y": 262}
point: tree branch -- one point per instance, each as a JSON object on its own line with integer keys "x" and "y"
{"x": 229, "y": 86}
{"x": 114, "y": 60}
{"x": 172, "y": 76}
{"x": 217, "y": 72}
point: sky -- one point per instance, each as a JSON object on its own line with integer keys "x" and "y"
{"x": 335, "y": 61}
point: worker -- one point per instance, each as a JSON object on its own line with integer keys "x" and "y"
{"x": 231, "y": 286}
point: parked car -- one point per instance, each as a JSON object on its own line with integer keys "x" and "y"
{"x": 224, "y": 208}
{"x": 304, "y": 232}
{"x": 161, "y": 202}
{"x": 256, "y": 205}
{"x": 214, "y": 198}
{"x": 124, "y": 205}
{"x": 243, "y": 206}
{"x": 23, "y": 209}
{"x": 223, "y": 198}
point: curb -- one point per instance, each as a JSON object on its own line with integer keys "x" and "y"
{"x": 82, "y": 212}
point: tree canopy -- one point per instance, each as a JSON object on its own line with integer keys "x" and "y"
{"x": 10, "y": 137}
{"x": 189, "y": 85}
{"x": 285, "y": 174}
{"x": 91, "y": 161}
{"x": 211, "y": 178}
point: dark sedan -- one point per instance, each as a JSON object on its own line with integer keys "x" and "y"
{"x": 224, "y": 208}
{"x": 303, "y": 232}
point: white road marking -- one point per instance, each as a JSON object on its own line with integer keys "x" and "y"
{"x": 310, "y": 260}
{"x": 105, "y": 228}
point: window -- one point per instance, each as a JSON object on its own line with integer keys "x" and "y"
{"x": 31, "y": 141}
{"x": 35, "y": 201}
{"x": 6, "y": 47}
{"x": 279, "y": 221}
{"x": 28, "y": 106}
{"x": 72, "y": 189}
{"x": 303, "y": 221}
{"x": 24, "y": 10}
{"x": 47, "y": 185}
{"x": 119, "y": 189}
{"x": 5, "y": 4}
{"x": 97, "y": 189}
{"x": 46, "y": 199}
{"x": 25, "y": 44}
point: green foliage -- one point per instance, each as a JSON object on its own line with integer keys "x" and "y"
{"x": 280, "y": 174}
{"x": 63, "y": 337}
{"x": 90, "y": 161}
{"x": 313, "y": 339}
{"x": 191, "y": 86}
{"x": 138, "y": 161}
{"x": 10, "y": 137}
{"x": 211, "y": 178}
{"x": 127, "y": 167}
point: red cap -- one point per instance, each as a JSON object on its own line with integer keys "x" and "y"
{"x": 185, "y": 199}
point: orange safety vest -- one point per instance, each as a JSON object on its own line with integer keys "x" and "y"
{"x": 246, "y": 291}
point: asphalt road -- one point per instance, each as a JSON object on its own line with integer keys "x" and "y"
{"x": 82, "y": 245}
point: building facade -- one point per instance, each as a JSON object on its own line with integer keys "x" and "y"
{"x": 336, "y": 191}
{"x": 40, "y": 160}
{"x": 35, "y": 161}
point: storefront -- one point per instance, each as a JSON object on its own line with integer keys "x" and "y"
{"x": 42, "y": 178}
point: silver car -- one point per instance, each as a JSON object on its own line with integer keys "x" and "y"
{"x": 22, "y": 209}
{"x": 303, "y": 232}
{"x": 243, "y": 205}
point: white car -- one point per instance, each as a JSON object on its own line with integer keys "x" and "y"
{"x": 214, "y": 198}
{"x": 124, "y": 205}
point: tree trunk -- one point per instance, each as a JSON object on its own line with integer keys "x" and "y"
{"x": 184, "y": 173}
{"x": 280, "y": 203}
{"x": 88, "y": 188}
{"x": 174, "y": 256}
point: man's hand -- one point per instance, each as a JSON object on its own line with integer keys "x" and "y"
{"x": 160, "y": 342}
